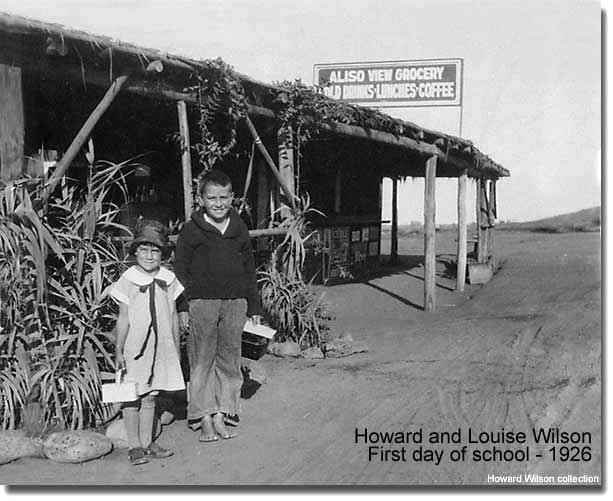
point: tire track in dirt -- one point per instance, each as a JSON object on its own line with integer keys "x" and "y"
{"x": 490, "y": 397}
{"x": 395, "y": 414}
{"x": 311, "y": 465}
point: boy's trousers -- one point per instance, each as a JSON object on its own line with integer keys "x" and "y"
{"x": 214, "y": 352}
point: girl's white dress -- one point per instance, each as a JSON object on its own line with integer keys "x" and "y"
{"x": 152, "y": 361}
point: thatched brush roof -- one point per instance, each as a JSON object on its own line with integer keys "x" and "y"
{"x": 53, "y": 47}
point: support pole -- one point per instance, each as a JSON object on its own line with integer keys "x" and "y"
{"x": 484, "y": 223}
{"x": 286, "y": 164}
{"x": 83, "y": 134}
{"x": 262, "y": 214}
{"x": 429, "y": 235}
{"x": 12, "y": 129}
{"x": 492, "y": 214}
{"x": 286, "y": 189}
{"x": 262, "y": 211}
{"x": 394, "y": 248}
{"x": 461, "y": 272}
{"x": 186, "y": 161}
{"x": 478, "y": 231}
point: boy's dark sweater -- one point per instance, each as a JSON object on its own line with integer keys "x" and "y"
{"x": 215, "y": 266}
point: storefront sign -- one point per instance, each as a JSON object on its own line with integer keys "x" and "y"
{"x": 431, "y": 82}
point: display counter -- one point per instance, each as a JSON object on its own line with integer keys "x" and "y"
{"x": 343, "y": 249}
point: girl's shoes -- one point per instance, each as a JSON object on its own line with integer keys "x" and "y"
{"x": 137, "y": 456}
{"x": 156, "y": 452}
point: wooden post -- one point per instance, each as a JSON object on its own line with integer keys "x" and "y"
{"x": 286, "y": 164}
{"x": 461, "y": 272}
{"x": 286, "y": 189}
{"x": 430, "y": 235}
{"x": 83, "y": 134}
{"x": 262, "y": 210}
{"x": 394, "y": 248}
{"x": 479, "y": 221}
{"x": 492, "y": 214}
{"x": 338, "y": 190}
{"x": 380, "y": 199}
{"x": 484, "y": 226}
{"x": 262, "y": 213}
{"x": 186, "y": 161}
{"x": 11, "y": 123}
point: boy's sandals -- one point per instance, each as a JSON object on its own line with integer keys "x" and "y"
{"x": 156, "y": 452}
{"x": 137, "y": 456}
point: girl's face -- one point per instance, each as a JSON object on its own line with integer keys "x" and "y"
{"x": 148, "y": 257}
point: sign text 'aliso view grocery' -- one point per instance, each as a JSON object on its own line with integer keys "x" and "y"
{"x": 431, "y": 82}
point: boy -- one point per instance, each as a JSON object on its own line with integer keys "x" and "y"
{"x": 214, "y": 262}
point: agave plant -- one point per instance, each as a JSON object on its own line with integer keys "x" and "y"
{"x": 291, "y": 252}
{"x": 291, "y": 304}
{"x": 292, "y": 307}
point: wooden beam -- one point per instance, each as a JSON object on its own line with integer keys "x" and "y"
{"x": 186, "y": 160}
{"x": 461, "y": 260}
{"x": 423, "y": 148}
{"x": 286, "y": 189}
{"x": 11, "y": 123}
{"x": 430, "y": 235}
{"x": 394, "y": 248}
{"x": 267, "y": 232}
{"x": 83, "y": 134}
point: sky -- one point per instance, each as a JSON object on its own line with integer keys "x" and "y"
{"x": 532, "y": 74}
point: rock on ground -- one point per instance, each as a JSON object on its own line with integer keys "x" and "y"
{"x": 76, "y": 446}
{"x": 312, "y": 352}
{"x": 286, "y": 349}
{"x": 15, "y": 444}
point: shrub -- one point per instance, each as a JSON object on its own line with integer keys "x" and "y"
{"x": 55, "y": 265}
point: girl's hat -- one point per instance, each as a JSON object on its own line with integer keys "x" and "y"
{"x": 150, "y": 232}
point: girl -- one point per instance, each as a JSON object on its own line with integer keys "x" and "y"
{"x": 147, "y": 337}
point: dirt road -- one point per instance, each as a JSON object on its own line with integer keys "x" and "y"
{"x": 520, "y": 353}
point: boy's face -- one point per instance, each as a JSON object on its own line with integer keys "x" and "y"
{"x": 217, "y": 201}
{"x": 148, "y": 257}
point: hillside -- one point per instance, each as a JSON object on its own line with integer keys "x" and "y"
{"x": 583, "y": 220}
